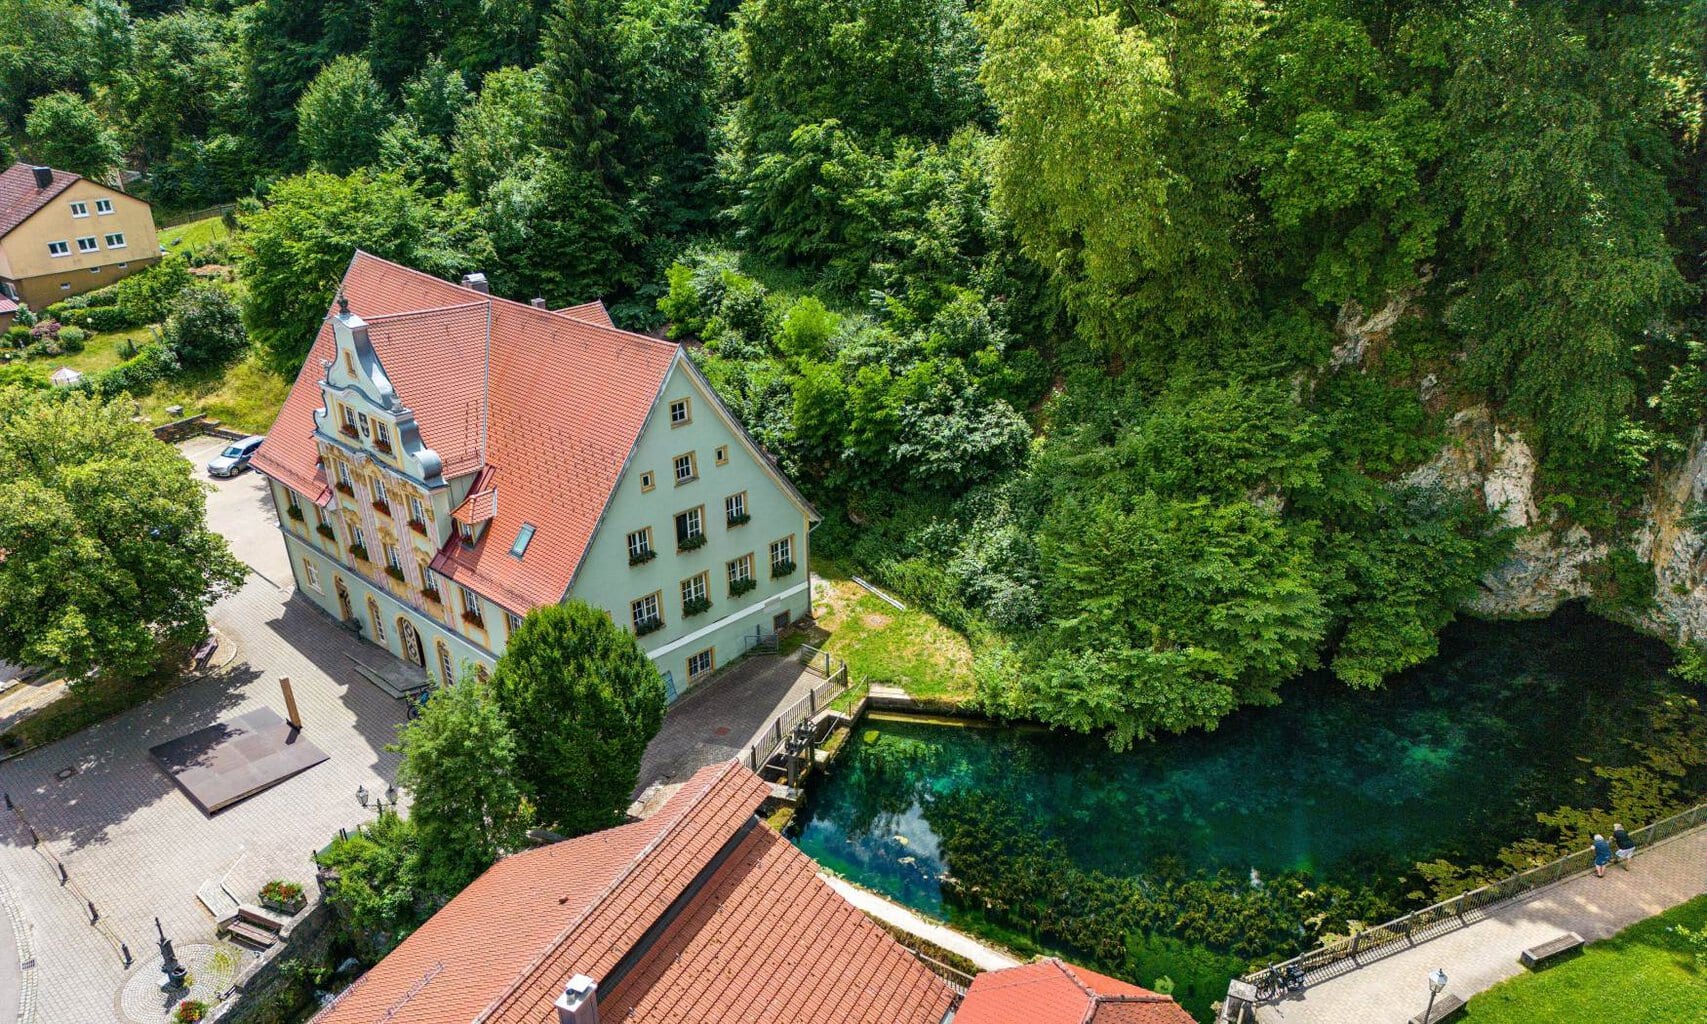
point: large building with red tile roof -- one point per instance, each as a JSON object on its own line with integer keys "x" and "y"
{"x": 448, "y": 460}
{"x": 1053, "y": 992}
{"x": 62, "y": 234}
{"x": 700, "y": 914}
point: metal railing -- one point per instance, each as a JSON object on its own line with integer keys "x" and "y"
{"x": 1348, "y": 954}
{"x": 835, "y": 683}
{"x": 957, "y": 979}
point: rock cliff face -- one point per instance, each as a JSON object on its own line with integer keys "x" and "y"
{"x": 1551, "y": 559}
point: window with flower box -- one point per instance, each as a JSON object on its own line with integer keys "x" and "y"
{"x": 741, "y": 576}
{"x": 346, "y": 484}
{"x": 358, "y": 543}
{"x": 393, "y": 563}
{"x": 381, "y": 501}
{"x": 382, "y": 437}
{"x": 417, "y": 515}
{"x": 645, "y": 614}
{"x": 640, "y": 546}
{"x": 690, "y": 529}
{"x": 696, "y": 597}
{"x": 735, "y": 510}
{"x": 782, "y": 557}
{"x": 471, "y": 608}
{"x": 347, "y": 421}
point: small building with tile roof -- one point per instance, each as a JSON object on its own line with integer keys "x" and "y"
{"x": 700, "y": 913}
{"x": 448, "y": 460}
{"x": 1052, "y": 992}
{"x": 62, "y": 234}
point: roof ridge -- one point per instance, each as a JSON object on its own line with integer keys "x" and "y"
{"x": 381, "y": 318}
{"x": 622, "y": 876}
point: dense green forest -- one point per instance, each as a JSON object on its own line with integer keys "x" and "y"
{"x": 1051, "y": 305}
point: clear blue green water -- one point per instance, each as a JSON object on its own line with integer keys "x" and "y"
{"x": 1347, "y": 789}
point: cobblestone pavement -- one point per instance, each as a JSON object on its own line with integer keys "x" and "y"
{"x": 238, "y": 508}
{"x": 720, "y": 719}
{"x": 1394, "y": 989}
{"x": 132, "y": 843}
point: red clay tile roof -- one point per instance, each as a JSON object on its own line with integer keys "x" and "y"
{"x": 764, "y": 941}
{"x": 1052, "y": 992}
{"x": 560, "y": 402}
{"x": 20, "y": 198}
{"x": 7, "y": 305}
{"x": 593, "y": 312}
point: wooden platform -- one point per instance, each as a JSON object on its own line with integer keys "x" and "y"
{"x": 231, "y": 761}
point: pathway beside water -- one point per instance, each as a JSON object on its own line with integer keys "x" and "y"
{"x": 1395, "y": 988}
{"x": 890, "y": 912}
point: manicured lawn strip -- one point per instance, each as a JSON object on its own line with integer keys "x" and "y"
{"x": 1644, "y": 973}
{"x": 885, "y": 645}
{"x": 100, "y": 352}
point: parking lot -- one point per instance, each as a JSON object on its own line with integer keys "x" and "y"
{"x": 239, "y": 509}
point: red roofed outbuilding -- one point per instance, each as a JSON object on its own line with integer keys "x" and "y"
{"x": 1053, "y": 992}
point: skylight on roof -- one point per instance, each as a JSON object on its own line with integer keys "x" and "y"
{"x": 523, "y": 535}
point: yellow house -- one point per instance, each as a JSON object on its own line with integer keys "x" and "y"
{"x": 61, "y": 234}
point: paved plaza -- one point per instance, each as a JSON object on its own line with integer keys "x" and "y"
{"x": 134, "y": 845}
{"x": 1394, "y": 989}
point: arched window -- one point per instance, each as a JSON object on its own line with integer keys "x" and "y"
{"x": 378, "y": 622}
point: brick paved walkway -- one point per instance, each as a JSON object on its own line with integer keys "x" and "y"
{"x": 720, "y": 720}
{"x": 1394, "y": 989}
{"x": 137, "y": 847}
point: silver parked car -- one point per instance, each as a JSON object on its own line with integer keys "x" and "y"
{"x": 235, "y": 458}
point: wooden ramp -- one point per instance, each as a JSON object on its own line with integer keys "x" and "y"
{"x": 398, "y": 679}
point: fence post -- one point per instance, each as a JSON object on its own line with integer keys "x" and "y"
{"x": 812, "y": 701}
{"x": 778, "y": 728}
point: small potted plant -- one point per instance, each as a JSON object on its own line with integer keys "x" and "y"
{"x": 190, "y": 1011}
{"x": 282, "y": 896}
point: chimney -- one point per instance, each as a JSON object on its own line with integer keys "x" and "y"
{"x": 539, "y": 304}
{"x": 579, "y": 1003}
{"x": 477, "y": 282}
{"x": 44, "y": 176}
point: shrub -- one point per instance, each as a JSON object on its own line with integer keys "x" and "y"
{"x": 205, "y": 328}
{"x": 45, "y": 330}
{"x": 103, "y": 318}
{"x": 71, "y": 338}
{"x": 696, "y": 606}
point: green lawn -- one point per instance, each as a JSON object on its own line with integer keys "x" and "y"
{"x": 883, "y": 644}
{"x": 194, "y": 234}
{"x": 100, "y": 352}
{"x": 244, "y": 396}
{"x": 1643, "y": 974}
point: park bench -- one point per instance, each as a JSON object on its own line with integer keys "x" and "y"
{"x": 254, "y": 927}
{"x": 204, "y": 653}
{"x": 1445, "y": 1005}
{"x": 1534, "y": 956}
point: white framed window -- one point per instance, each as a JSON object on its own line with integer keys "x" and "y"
{"x": 681, "y": 412}
{"x": 694, "y": 588}
{"x": 382, "y": 435}
{"x": 344, "y": 476}
{"x": 94, "y": 270}
{"x": 79, "y": 209}
{"x": 115, "y": 240}
{"x": 87, "y": 244}
{"x": 512, "y": 622}
{"x": 690, "y": 524}
{"x": 741, "y": 570}
{"x": 57, "y": 249}
{"x": 311, "y": 576}
{"x": 466, "y": 532}
{"x": 392, "y": 558}
{"x": 65, "y": 287}
{"x": 700, "y": 664}
{"x": 644, "y": 613}
{"x": 687, "y": 469}
{"x": 121, "y": 266}
{"x": 640, "y": 544}
{"x": 782, "y": 552}
{"x": 378, "y": 622}
{"x": 103, "y": 206}
{"x": 417, "y": 511}
{"x": 446, "y": 673}
{"x": 735, "y": 509}
{"x": 379, "y": 491}
{"x": 358, "y": 538}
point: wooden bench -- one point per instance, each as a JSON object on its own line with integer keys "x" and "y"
{"x": 204, "y": 653}
{"x": 1445, "y": 1005}
{"x": 1534, "y": 956}
{"x": 254, "y": 927}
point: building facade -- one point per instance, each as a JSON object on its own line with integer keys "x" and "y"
{"x": 447, "y": 461}
{"x": 62, "y": 234}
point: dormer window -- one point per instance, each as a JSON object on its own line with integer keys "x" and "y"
{"x": 382, "y": 437}
{"x": 523, "y": 536}
{"x": 348, "y": 426}
{"x": 466, "y": 532}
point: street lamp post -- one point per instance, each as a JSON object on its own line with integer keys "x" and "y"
{"x": 1436, "y": 985}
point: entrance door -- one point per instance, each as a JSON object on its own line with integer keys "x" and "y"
{"x": 344, "y": 608}
{"x": 411, "y": 642}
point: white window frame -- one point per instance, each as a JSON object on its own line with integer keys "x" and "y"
{"x": 120, "y": 244}
{"x": 644, "y": 536}
{"x": 470, "y": 601}
{"x": 94, "y": 244}
{"x": 59, "y": 249}
{"x": 695, "y": 587}
{"x": 645, "y": 609}
{"x": 708, "y": 662}
{"x": 379, "y": 490}
{"x": 357, "y": 538}
{"x": 741, "y": 569}
{"x": 393, "y": 558}
{"x": 734, "y": 505}
{"x": 686, "y": 461}
{"x": 785, "y": 547}
{"x": 648, "y": 480}
{"x": 696, "y": 516}
{"x": 684, "y": 407}
{"x": 103, "y": 206}
{"x": 512, "y": 622}
{"x": 313, "y": 577}
{"x": 344, "y": 476}
{"x": 77, "y": 205}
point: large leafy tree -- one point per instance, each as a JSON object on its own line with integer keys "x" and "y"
{"x": 66, "y": 132}
{"x": 109, "y": 564}
{"x": 582, "y": 700}
{"x": 205, "y": 327}
{"x": 340, "y": 117}
{"x": 297, "y": 247}
{"x": 498, "y": 131}
{"x": 459, "y": 766}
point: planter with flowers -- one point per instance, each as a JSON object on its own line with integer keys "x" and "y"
{"x": 190, "y": 1011}
{"x": 282, "y": 896}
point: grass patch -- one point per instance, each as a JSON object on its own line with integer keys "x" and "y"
{"x": 195, "y": 234}
{"x": 101, "y": 351}
{"x": 1644, "y": 973}
{"x": 885, "y": 645}
{"x": 244, "y": 396}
